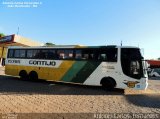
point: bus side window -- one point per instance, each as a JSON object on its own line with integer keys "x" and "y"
{"x": 78, "y": 54}
{"x": 42, "y": 55}
{"x": 85, "y": 56}
{"x": 68, "y": 54}
{"x": 33, "y": 54}
{"x": 22, "y": 53}
{"x": 91, "y": 56}
{"x": 17, "y": 53}
{"x": 36, "y": 54}
{"x": 49, "y": 54}
{"x": 10, "y": 54}
{"x": 102, "y": 56}
{"x": 60, "y": 54}
{"x": 111, "y": 55}
{"x": 29, "y": 53}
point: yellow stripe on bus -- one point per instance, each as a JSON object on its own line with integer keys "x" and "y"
{"x": 47, "y": 73}
{"x": 57, "y": 73}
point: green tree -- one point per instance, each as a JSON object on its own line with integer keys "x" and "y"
{"x": 2, "y": 34}
{"x": 49, "y": 44}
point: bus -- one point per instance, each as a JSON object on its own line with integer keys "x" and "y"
{"x": 107, "y": 66}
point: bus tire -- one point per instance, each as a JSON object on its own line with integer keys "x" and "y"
{"x": 33, "y": 75}
{"x": 108, "y": 83}
{"x": 23, "y": 74}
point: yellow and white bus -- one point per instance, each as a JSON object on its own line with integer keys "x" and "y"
{"x": 108, "y": 66}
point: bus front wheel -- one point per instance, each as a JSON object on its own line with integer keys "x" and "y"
{"x": 33, "y": 75}
{"x": 108, "y": 83}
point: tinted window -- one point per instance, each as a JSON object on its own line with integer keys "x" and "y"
{"x": 112, "y": 55}
{"x": 19, "y": 53}
{"x": 33, "y": 54}
{"x": 65, "y": 54}
{"x": 131, "y": 62}
{"x": 108, "y": 54}
{"x": 68, "y": 54}
{"x": 22, "y": 53}
{"x": 60, "y": 54}
{"x": 88, "y": 54}
{"x": 10, "y": 53}
{"x": 78, "y": 54}
{"x": 48, "y": 54}
{"x": 85, "y": 54}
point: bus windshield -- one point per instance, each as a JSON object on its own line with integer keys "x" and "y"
{"x": 131, "y": 61}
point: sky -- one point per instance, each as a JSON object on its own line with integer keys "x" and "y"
{"x": 87, "y": 22}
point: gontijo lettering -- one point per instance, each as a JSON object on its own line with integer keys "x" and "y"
{"x": 43, "y": 63}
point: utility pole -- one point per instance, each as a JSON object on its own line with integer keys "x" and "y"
{"x": 121, "y": 43}
{"x": 18, "y": 31}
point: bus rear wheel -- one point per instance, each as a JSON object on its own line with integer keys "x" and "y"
{"x": 108, "y": 83}
{"x": 33, "y": 75}
{"x": 23, "y": 74}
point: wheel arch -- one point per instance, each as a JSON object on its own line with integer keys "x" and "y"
{"x": 107, "y": 79}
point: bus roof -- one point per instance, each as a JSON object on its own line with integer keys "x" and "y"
{"x": 71, "y": 46}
